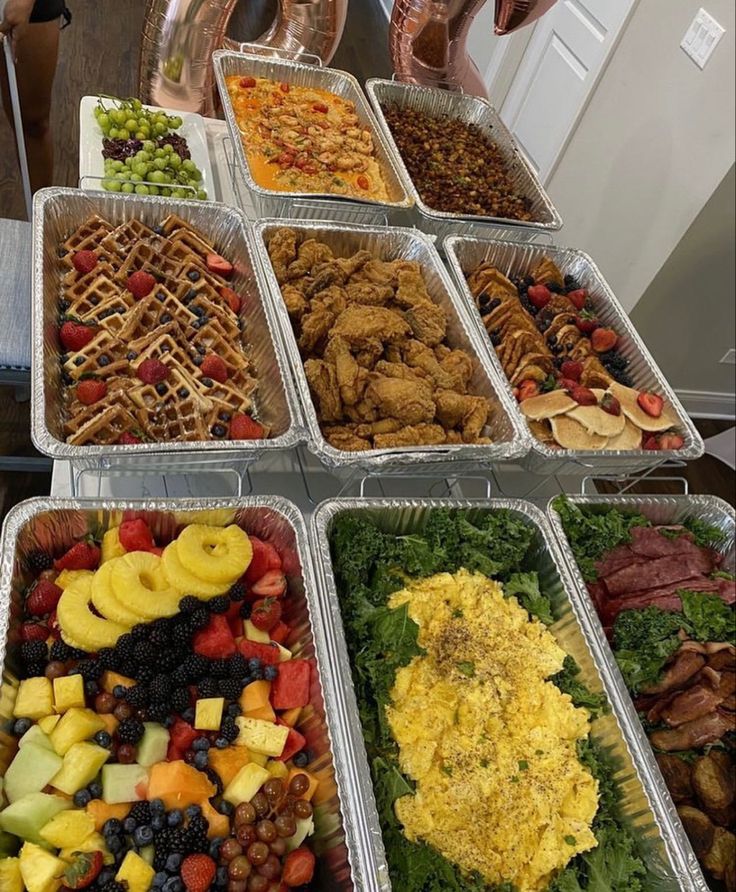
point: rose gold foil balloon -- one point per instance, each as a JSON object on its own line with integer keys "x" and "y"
{"x": 428, "y": 44}
{"x": 179, "y": 37}
{"x": 510, "y": 15}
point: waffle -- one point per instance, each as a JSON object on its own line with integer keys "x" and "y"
{"x": 182, "y": 320}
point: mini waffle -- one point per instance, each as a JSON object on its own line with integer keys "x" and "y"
{"x": 103, "y": 357}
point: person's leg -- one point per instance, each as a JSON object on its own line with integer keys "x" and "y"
{"x": 37, "y": 47}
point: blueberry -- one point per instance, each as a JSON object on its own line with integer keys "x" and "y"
{"x": 67, "y": 379}
{"x": 257, "y": 674}
{"x": 158, "y": 822}
{"x": 158, "y": 229}
{"x": 223, "y": 416}
{"x": 143, "y": 836}
{"x": 131, "y": 355}
{"x": 200, "y": 744}
{"x": 193, "y": 275}
{"x": 173, "y": 884}
{"x": 183, "y": 392}
{"x": 157, "y": 807}
{"x": 95, "y": 790}
{"x": 173, "y": 862}
{"x": 159, "y": 879}
{"x": 201, "y": 349}
{"x": 193, "y": 811}
{"x": 233, "y": 710}
{"x": 165, "y": 318}
{"x": 112, "y": 827}
{"x": 105, "y": 876}
{"x": 161, "y": 388}
{"x": 270, "y": 673}
{"x": 129, "y": 825}
{"x": 191, "y": 294}
{"x": 63, "y": 305}
{"x": 484, "y": 300}
{"x": 201, "y": 760}
{"x": 21, "y": 726}
{"x": 174, "y": 818}
{"x": 82, "y": 798}
{"x": 214, "y": 850}
{"x": 119, "y": 691}
{"x": 254, "y": 663}
{"x": 225, "y": 808}
{"x": 188, "y": 715}
{"x": 160, "y": 296}
{"x": 222, "y": 875}
{"x": 94, "y": 300}
{"x": 218, "y": 430}
{"x": 104, "y": 360}
{"x": 115, "y": 844}
{"x": 301, "y": 759}
{"x": 222, "y": 743}
{"x": 197, "y": 360}
{"x": 207, "y": 382}
{"x": 79, "y": 360}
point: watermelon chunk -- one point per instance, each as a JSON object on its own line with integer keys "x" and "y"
{"x": 182, "y": 735}
{"x": 267, "y": 653}
{"x": 265, "y": 558}
{"x": 280, "y": 632}
{"x": 291, "y": 687}
{"x": 294, "y": 742}
{"x": 216, "y": 639}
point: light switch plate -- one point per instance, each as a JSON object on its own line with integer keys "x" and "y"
{"x": 702, "y": 37}
{"x": 729, "y": 357}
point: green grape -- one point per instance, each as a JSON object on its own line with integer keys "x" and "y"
{"x": 157, "y": 176}
{"x": 168, "y": 149}
{"x": 113, "y": 133}
{"x": 159, "y": 128}
{"x": 178, "y": 193}
{"x": 136, "y": 104}
{"x": 197, "y": 175}
{"x": 183, "y": 176}
{"x": 166, "y": 192}
{"x": 103, "y": 120}
{"x": 202, "y": 195}
{"x": 123, "y": 177}
{"x": 153, "y": 190}
{"x": 127, "y": 187}
{"x": 146, "y": 156}
{"x": 129, "y": 161}
{"x": 131, "y": 124}
{"x": 119, "y": 116}
{"x": 141, "y": 189}
{"x": 114, "y": 186}
{"x": 160, "y": 163}
{"x": 149, "y": 145}
{"x": 124, "y": 133}
{"x": 160, "y": 118}
{"x": 188, "y": 165}
{"x": 174, "y": 161}
{"x": 140, "y": 168}
{"x": 146, "y": 131}
{"x": 136, "y": 177}
{"x": 175, "y": 122}
{"x": 139, "y": 134}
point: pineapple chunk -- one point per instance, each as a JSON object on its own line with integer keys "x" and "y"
{"x": 111, "y": 546}
{"x": 136, "y": 873}
{"x": 35, "y": 699}
{"x": 95, "y": 842}
{"x": 48, "y": 723}
{"x": 254, "y": 634}
{"x": 277, "y": 769}
{"x": 68, "y": 829}
{"x": 41, "y": 871}
{"x": 258, "y": 758}
{"x": 246, "y": 783}
{"x": 81, "y": 765}
{"x": 10, "y": 875}
{"x": 284, "y": 653}
{"x": 68, "y": 692}
{"x": 67, "y": 577}
{"x": 209, "y": 713}
{"x": 75, "y": 725}
{"x": 261, "y": 736}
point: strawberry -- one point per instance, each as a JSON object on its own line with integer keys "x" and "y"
{"x": 232, "y": 299}
{"x": 75, "y": 335}
{"x": 152, "y": 371}
{"x": 539, "y": 295}
{"x": 650, "y": 443}
{"x": 603, "y": 339}
{"x": 243, "y": 427}
{"x": 610, "y": 404}
{"x": 651, "y": 403}
{"x": 567, "y": 384}
{"x": 583, "y": 396}
{"x": 43, "y": 598}
{"x": 198, "y": 872}
{"x": 81, "y": 556}
{"x": 128, "y": 439}
{"x": 265, "y": 558}
{"x": 218, "y": 265}
{"x": 84, "y": 261}
{"x": 135, "y": 535}
{"x": 527, "y": 389}
{"x": 91, "y": 390}
{"x": 577, "y": 298}
{"x": 571, "y": 369}
{"x": 298, "y": 867}
{"x": 265, "y": 614}
{"x": 270, "y": 585}
{"x": 248, "y": 82}
{"x": 140, "y": 284}
{"x": 33, "y": 632}
{"x": 214, "y": 367}
{"x": 671, "y": 441}
{"x": 586, "y": 322}
{"x": 83, "y": 870}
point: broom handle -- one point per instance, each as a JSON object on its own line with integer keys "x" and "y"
{"x": 15, "y": 102}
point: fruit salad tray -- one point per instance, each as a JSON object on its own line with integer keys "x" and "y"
{"x": 153, "y": 344}
{"x": 397, "y": 715}
{"x": 655, "y": 578}
{"x": 483, "y": 271}
{"x": 155, "y": 739}
{"x": 272, "y": 202}
{"x": 367, "y": 332}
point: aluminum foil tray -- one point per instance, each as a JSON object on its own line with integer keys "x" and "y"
{"x": 663, "y": 840}
{"x": 34, "y": 525}
{"x": 660, "y": 510}
{"x": 56, "y": 214}
{"x": 465, "y": 254}
{"x": 471, "y": 110}
{"x": 275, "y": 203}
{"x": 409, "y": 244}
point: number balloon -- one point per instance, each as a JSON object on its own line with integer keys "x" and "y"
{"x": 510, "y": 15}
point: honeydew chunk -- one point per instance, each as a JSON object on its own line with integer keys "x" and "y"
{"x": 28, "y": 815}
{"x": 68, "y": 692}
{"x": 304, "y": 828}
{"x": 124, "y": 783}
{"x": 35, "y": 699}
{"x": 153, "y": 746}
{"x": 246, "y": 783}
{"x": 30, "y": 771}
{"x": 35, "y": 735}
{"x": 261, "y": 736}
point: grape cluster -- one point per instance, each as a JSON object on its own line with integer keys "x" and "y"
{"x": 127, "y": 118}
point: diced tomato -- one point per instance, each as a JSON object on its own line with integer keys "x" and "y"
{"x": 267, "y": 653}
{"x": 285, "y": 159}
{"x": 284, "y": 87}
{"x": 291, "y": 687}
{"x": 320, "y": 107}
{"x": 363, "y": 182}
{"x": 294, "y": 742}
{"x": 248, "y": 82}
{"x": 280, "y": 632}
{"x": 265, "y": 558}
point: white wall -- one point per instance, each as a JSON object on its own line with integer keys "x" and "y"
{"x": 654, "y": 142}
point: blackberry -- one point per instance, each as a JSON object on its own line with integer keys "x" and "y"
{"x": 159, "y": 637}
{"x": 220, "y": 668}
{"x": 40, "y": 560}
{"x": 130, "y": 731}
{"x": 554, "y": 287}
{"x": 189, "y": 604}
{"x": 237, "y": 592}
{"x": 137, "y": 696}
{"x": 230, "y": 688}
{"x": 180, "y": 675}
{"x": 114, "y": 886}
{"x": 124, "y": 651}
{"x": 199, "y": 618}
{"x": 160, "y": 688}
{"x": 182, "y": 635}
{"x": 60, "y": 651}
{"x": 179, "y": 700}
{"x": 144, "y": 653}
{"x": 158, "y": 712}
{"x": 196, "y": 666}
{"x": 33, "y": 670}
{"x": 106, "y": 658}
{"x": 139, "y": 632}
{"x": 238, "y": 666}
{"x": 34, "y": 652}
{"x": 141, "y": 813}
{"x": 571, "y": 283}
{"x": 245, "y": 610}
{"x": 229, "y": 729}
{"x": 207, "y": 688}
{"x": 145, "y": 676}
{"x": 90, "y": 670}
{"x": 169, "y": 660}
{"x": 220, "y": 604}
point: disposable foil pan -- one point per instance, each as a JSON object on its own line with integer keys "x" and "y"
{"x": 664, "y": 844}
{"x": 659, "y": 510}
{"x": 408, "y": 244}
{"x": 34, "y": 525}
{"x": 56, "y": 214}
{"x": 471, "y": 110}
{"x": 513, "y": 259}
{"x": 275, "y": 203}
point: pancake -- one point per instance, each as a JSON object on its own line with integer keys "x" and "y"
{"x": 627, "y": 396}
{"x": 629, "y": 438}
{"x": 570, "y": 434}
{"x": 597, "y": 421}
{"x": 547, "y": 405}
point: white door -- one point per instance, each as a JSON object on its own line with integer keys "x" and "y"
{"x": 560, "y": 66}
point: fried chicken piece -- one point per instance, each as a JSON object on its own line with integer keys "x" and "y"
{"x": 316, "y": 326}
{"x": 361, "y": 326}
{"x": 384, "y": 426}
{"x": 352, "y": 265}
{"x": 296, "y": 304}
{"x": 282, "y": 248}
{"x": 428, "y": 322}
{"x": 392, "y": 353}
{"x": 372, "y": 351}
{"x": 310, "y": 253}
{"x": 344, "y": 437}
{"x": 413, "y": 435}
{"x": 469, "y": 413}
{"x": 375, "y": 272}
{"x": 362, "y": 412}
{"x": 325, "y": 275}
{"x": 420, "y": 356}
{"x": 411, "y": 401}
{"x": 322, "y": 379}
{"x": 332, "y": 299}
{"x": 411, "y": 290}
{"x": 400, "y": 370}
{"x": 368, "y": 294}
{"x": 351, "y": 378}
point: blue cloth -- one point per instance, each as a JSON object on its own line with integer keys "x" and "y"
{"x": 15, "y": 294}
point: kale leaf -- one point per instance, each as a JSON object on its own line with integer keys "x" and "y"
{"x": 706, "y": 535}
{"x": 568, "y": 682}
{"x": 526, "y": 588}
{"x": 709, "y": 618}
{"x": 643, "y": 642}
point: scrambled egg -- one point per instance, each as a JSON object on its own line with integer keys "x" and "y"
{"x": 489, "y": 742}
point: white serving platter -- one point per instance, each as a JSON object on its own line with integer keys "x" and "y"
{"x": 92, "y": 164}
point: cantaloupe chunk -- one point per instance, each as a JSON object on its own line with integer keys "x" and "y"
{"x": 228, "y": 762}
{"x": 313, "y": 781}
{"x": 291, "y": 716}
{"x": 219, "y": 824}
{"x": 254, "y": 696}
{"x": 101, "y": 812}
{"x": 111, "y": 723}
{"x": 179, "y": 785}
{"x": 110, "y": 680}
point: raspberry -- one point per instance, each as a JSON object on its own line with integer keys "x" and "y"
{"x": 128, "y": 439}
{"x": 140, "y": 284}
{"x": 91, "y": 391}
{"x": 152, "y": 371}
{"x": 214, "y": 367}
{"x": 243, "y": 427}
{"x": 84, "y": 261}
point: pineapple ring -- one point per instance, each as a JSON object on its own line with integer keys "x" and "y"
{"x": 214, "y": 554}
{"x": 140, "y": 584}
{"x": 80, "y": 627}
{"x": 182, "y": 579}
{"x": 104, "y": 599}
